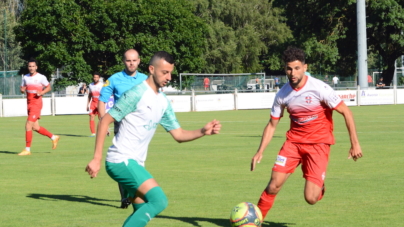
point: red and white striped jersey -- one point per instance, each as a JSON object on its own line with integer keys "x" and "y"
{"x": 34, "y": 84}
{"x": 95, "y": 90}
{"x": 310, "y": 109}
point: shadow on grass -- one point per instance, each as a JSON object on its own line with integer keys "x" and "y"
{"x": 217, "y": 221}
{"x": 71, "y": 135}
{"x": 8, "y": 152}
{"x": 74, "y": 198}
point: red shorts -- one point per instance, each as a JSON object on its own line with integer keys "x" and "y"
{"x": 313, "y": 157}
{"x": 206, "y": 85}
{"x": 34, "y": 112}
{"x": 94, "y": 109}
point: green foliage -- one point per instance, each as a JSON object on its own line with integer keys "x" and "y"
{"x": 8, "y": 20}
{"x": 88, "y": 35}
{"x": 241, "y": 34}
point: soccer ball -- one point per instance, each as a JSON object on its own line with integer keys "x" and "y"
{"x": 246, "y": 214}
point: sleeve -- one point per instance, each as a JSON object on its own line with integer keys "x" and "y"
{"x": 330, "y": 97}
{"x": 107, "y": 90}
{"x": 277, "y": 108}
{"x": 23, "y": 83}
{"x": 169, "y": 120}
{"x": 126, "y": 104}
{"x": 44, "y": 81}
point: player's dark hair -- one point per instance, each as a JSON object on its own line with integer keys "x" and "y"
{"x": 161, "y": 55}
{"x": 96, "y": 73}
{"x": 292, "y": 54}
{"x": 32, "y": 60}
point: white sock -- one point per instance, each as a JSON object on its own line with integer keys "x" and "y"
{"x": 28, "y": 149}
{"x": 53, "y": 137}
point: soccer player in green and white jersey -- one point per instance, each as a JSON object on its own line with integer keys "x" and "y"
{"x": 140, "y": 110}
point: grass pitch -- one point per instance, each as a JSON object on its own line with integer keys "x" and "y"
{"x": 205, "y": 178}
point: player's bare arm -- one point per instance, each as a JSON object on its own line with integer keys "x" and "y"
{"x": 266, "y": 138}
{"x": 101, "y": 108}
{"x": 94, "y": 166}
{"x": 46, "y": 90}
{"x": 181, "y": 135}
{"x": 89, "y": 100}
{"x": 23, "y": 89}
{"x": 355, "y": 151}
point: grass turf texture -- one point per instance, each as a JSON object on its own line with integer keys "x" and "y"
{"x": 206, "y": 178}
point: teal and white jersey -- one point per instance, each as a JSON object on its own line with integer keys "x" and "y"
{"x": 139, "y": 110}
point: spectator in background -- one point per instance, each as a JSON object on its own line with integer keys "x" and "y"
{"x": 380, "y": 84}
{"x": 206, "y": 84}
{"x": 83, "y": 90}
{"x": 370, "y": 81}
{"x": 326, "y": 79}
{"x": 276, "y": 82}
{"x": 335, "y": 81}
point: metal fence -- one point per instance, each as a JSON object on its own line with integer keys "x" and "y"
{"x": 10, "y": 83}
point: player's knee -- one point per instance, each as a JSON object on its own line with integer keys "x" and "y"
{"x": 157, "y": 199}
{"x": 273, "y": 188}
{"x": 311, "y": 199}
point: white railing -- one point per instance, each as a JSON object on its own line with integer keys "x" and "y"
{"x": 200, "y": 101}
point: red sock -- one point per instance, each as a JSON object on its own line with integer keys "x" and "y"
{"x": 28, "y": 138}
{"x": 92, "y": 127}
{"x": 265, "y": 203}
{"x": 44, "y": 132}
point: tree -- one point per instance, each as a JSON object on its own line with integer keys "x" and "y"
{"x": 88, "y": 35}
{"x": 10, "y": 54}
{"x": 241, "y": 34}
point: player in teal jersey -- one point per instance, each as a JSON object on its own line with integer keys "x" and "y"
{"x": 140, "y": 110}
{"x": 116, "y": 85}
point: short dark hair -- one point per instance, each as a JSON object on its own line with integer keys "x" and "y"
{"x": 292, "y": 54}
{"x": 96, "y": 73}
{"x": 161, "y": 55}
{"x": 32, "y": 60}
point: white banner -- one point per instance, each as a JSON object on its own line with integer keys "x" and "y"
{"x": 214, "y": 102}
{"x": 257, "y": 100}
{"x": 180, "y": 103}
{"x": 18, "y": 107}
{"x": 349, "y": 97}
{"x": 400, "y": 96}
{"x": 71, "y": 105}
{"x": 376, "y": 97}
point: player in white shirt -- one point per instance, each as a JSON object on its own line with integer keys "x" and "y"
{"x": 140, "y": 110}
{"x": 92, "y": 102}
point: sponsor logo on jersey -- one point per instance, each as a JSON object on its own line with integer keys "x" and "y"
{"x": 303, "y": 120}
{"x": 150, "y": 126}
{"x": 280, "y": 160}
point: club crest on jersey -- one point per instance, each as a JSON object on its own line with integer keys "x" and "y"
{"x": 280, "y": 160}
{"x": 308, "y": 99}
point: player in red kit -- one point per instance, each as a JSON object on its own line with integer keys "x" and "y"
{"x": 35, "y": 85}
{"x": 92, "y": 103}
{"x": 310, "y": 103}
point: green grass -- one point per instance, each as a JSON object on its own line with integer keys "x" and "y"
{"x": 205, "y": 178}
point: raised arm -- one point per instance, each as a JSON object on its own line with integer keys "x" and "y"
{"x": 94, "y": 166}
{"x": 181, "y": 135}
{"x": 266, "y": 138}
{"x": 355, "y": 151}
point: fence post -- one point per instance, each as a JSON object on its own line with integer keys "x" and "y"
{"x": 53, "y": 104}
{"x": 358, "y": 96}
{"x": 395, "y": 93}
{"x": 193, "y": 100}
{"x": 1, "y": 105}
{"x": 235, "y": 99}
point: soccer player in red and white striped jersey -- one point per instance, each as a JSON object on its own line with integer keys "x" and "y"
{"x": 35, "y": 85}
{"x": 310, "y": 103}
{"x": 92, "y": 102}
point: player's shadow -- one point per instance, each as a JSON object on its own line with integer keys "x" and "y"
{"x": 74, "y": 198}
{"x": 196, "y": 221}
{"x": 8, "y": 152}
{"x": 72, "y": 135}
